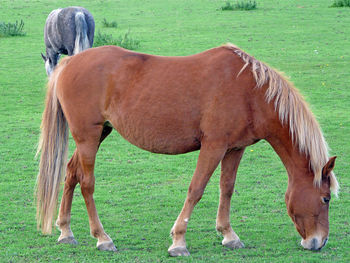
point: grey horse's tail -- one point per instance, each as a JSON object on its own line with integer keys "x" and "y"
{"x": 81, "y": 38}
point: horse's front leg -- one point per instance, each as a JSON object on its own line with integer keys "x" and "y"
{"x": 209, "y": 157}
{"x": 229, "y": 166}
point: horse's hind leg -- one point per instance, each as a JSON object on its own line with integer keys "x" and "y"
{"x": 88, "y": 141}
{"x": 63, "y": 220}
{"x": 209, "y": 157}
{"x": 229, "y": 166}
{"x": 75, "y": 174}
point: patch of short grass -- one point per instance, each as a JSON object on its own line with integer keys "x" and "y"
{"x": 12, "y": 29}
{"x": 341, "y": 3}
{"x": 125, "y": 41}
{"x": 106, "y": 23}
{"x": 239, "y": 5}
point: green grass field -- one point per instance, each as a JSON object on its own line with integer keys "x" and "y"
{"x": 139, "y": 194}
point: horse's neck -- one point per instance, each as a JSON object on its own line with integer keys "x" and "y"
{"x": 296, "y": 163}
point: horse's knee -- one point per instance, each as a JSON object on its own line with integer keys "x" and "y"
{"x": 195, "y": 194}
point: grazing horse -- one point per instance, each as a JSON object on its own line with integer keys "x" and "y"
{"x": 219, "y": 102}
{"x": 67, "y": 31}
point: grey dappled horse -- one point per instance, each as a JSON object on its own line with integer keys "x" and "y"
{"x": 67, "y": 31}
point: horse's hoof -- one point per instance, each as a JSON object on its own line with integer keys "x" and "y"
{"x": 68, "y": 240}
{"x": 179, "y": 252}
{"x": 107, "y": 246}
{"x": 234, "y": 244}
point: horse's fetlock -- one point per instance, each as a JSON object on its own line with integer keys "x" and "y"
{"x": 62, "y": 222}
{"x": 95, "y": 233}
{"x": 178, "y": 233}
{"x": 219, "y": 228}
{"x": 223, "y": 228}
{"x": 58, "y": 222}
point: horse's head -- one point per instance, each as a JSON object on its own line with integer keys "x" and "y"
{"x": 49, "y": 64}
{"x": 308, "y": 206}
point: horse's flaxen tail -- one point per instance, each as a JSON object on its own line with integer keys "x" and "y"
{"x": 81, "y": 38}
{"x": 53, "y": 146}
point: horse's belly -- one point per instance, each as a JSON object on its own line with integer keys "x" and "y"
{"x": 158, "y": 140}
{"x": 159, "y": 133}
{"x": 165, "y": 145}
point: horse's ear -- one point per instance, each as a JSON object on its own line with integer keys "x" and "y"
{"x": 328, "y": 167}
{"x": 44, "y": 58}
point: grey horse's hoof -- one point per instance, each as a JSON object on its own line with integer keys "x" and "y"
{"x": 234, "y": 244}
{"x": 68, "y": 240}
{"x": 107, "y": 246}
{"x": 179, "y": 252}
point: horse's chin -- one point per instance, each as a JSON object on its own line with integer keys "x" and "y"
{"x": 314, "y": 243}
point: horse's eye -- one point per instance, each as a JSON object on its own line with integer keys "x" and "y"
{"x": 325, "y": 200}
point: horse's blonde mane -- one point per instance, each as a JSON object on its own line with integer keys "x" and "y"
{"x": 292, "y": 109}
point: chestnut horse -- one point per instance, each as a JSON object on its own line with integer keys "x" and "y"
{"x": 219, "y": 102}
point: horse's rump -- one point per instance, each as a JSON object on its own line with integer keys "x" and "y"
{"x": 64, "y": 26}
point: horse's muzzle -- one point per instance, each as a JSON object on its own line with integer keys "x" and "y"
{"x": 314, "y": 243}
